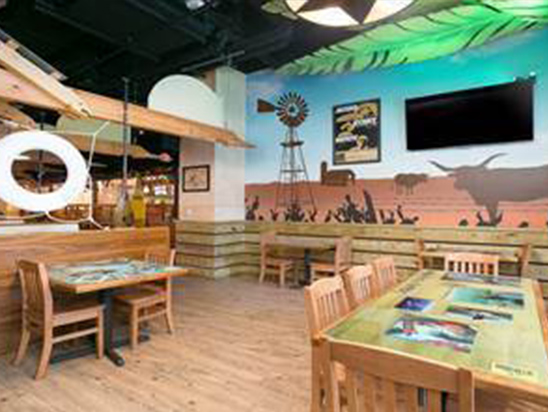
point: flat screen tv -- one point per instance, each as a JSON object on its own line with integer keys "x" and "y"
{"x": 488, "y": 115}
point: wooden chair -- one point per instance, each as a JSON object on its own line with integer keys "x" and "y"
{"x": 385, "y": 274}
{"x": 421, "y": 248}
{"x": 325, "y": 303}
{"x": 360, "y": 284}
{"x": 150, "y": 301}
{"x": 43, "y": 317}
{"x": 524, "y": 258}
{"x": 282, "y": 265}
{"x": 375, "y": 376}
{"x": 473, "y": 263}
{"x": 341, "y": 263}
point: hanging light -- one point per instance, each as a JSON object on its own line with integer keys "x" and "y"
{"x": 346, "y": 13}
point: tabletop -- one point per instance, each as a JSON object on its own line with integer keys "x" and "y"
{"x": 489, "y": 324}
{"x": 302, "y": 242}
{"x": 86, "y": 277}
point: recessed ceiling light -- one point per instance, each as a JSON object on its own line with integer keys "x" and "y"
{"x": 195, "y": 4}
{"x": 346, "y": 13}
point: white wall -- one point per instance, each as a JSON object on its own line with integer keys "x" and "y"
{"x": 192, "y": 99}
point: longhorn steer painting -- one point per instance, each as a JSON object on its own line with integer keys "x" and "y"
{"x": 488, "y": 187}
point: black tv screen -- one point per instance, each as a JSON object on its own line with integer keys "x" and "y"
{"x": 494, "y": 114}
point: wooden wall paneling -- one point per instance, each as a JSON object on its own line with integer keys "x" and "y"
{"x": 205, "y": 240}
{"x": 213, "y": 249}
{"x": 62, "y": 247}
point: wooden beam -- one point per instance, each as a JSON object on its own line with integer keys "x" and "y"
{"x": 105, "y": 147}
{"x": 15, "y": 89}
{"x": 17, "y": 64}
{"x": 9, "y": 112}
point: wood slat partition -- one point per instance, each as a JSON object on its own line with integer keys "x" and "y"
{"x": 62, "y": 247}
{"x": 222, "y": 249}
{"x": 213, "y": 249}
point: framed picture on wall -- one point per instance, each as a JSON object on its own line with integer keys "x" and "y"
{"x": 195, "y": 178}
{"x": 357, "y": 132}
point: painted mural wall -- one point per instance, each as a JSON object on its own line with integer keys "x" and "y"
{"x": 503, "y": 185}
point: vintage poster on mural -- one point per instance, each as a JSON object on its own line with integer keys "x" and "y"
{"x": 357, "y": 132}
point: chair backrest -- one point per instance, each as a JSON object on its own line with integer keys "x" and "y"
{"x": 421, "y": 248}
{"x": 378, "y": 371}
{"x": 325, "y": 302}
{"x": 343, "y": 253}
{"x": 473, "y": 263}
{"x": 360, "y": 284}
{"x": 37, "y": 297}
{"x": 164, "y": 257}
{"x": 266, "y": 238}
{"x": 385, "y": 274}
{"x": 524, "y": 257}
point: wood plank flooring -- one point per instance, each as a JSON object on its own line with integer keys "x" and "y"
{"x": 239, "y": 347}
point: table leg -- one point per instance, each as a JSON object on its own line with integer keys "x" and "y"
{"x": 307, "y": 267}
{"x": 105, "y": 297}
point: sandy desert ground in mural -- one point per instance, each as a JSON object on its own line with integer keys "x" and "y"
{"x": 433, "y": 202}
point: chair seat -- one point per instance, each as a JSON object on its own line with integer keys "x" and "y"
{"x": 323, "y": 266}
{"x": 141, "y": 297}
{"x": 270, "y": 261}
{"x": 66, "y": 314}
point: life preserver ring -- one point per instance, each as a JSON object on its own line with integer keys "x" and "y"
{"x": 14, "y": 145}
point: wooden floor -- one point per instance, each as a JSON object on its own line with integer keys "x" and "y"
{"x": 239, "y": 346}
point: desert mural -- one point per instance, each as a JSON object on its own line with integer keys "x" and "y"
{"x": 503, "y": 185}
{"x": 470, "y": 195}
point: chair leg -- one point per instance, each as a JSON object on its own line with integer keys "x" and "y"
{"x": 282, "y": 276}
{"x": 134, "y": 327}
{"x": 100, "y": 337}
{"x": 23, "y": 346}
{"x": 45, "y": 355}
{"x": 313, "y": 275}
{"x": 315, "y": 405}
{"x": 263, "y": 273}
{"x": 169, "y": 321}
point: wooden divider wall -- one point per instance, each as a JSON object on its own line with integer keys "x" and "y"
{"x": 62, "y": 247}
{"x": 230, "y": 248}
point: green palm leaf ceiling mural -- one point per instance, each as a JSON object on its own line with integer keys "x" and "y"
{"x": 432, "y": 29}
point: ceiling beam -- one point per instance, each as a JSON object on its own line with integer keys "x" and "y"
{"x": 14, "y": 89}
{"x": 46, "y": 8}
{"x": 8, "y": 112}
{"x": 182, "y": 23}
{"x": 49, "y": 85}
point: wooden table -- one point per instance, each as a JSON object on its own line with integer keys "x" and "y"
{"x": 516, "y": 348}
{"x": 104, "y": 277}
{"x": 307, "y": 244}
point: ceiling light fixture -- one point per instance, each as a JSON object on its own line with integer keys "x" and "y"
{"x": 346, "y": 13}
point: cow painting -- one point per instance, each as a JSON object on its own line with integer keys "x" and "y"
{"x": 488, "y": 187}
{"x": 406, "y": 182}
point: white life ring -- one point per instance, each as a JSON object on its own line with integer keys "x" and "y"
{"x": 14, "y": 145}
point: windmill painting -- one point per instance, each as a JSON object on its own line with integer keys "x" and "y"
{"x": 293, "y": 191}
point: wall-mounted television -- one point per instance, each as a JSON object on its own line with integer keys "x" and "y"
{"x": 487, "y": 115}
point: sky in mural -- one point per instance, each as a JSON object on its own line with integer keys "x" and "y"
{"x": 496, "y": 63}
